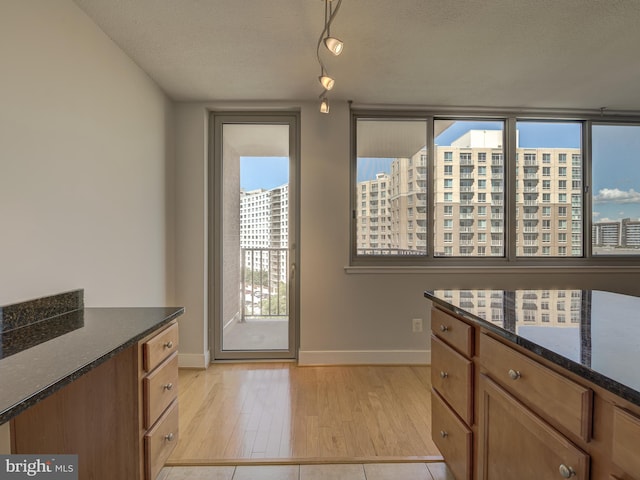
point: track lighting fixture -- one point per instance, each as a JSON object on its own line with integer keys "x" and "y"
{"x": 334, "y": 45}
{"x": 324, "y": 105}
{"x": 326, "y": 81}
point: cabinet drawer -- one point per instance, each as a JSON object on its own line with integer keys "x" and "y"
{"x": 160, "y": 441}
{"x": 455, "y": 332}
{"x": 452, "y": 377}
{"x": 160, "y": 389}
{"x": 552, "y": 395}
{"x": 156, "y": 349}
{"x": 626, "y": 439}
{"x": 452, "y": 437}
{"x": 515, "y": 443}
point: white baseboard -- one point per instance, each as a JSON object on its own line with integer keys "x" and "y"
{"x": 364, "y": 357}
{"x": 194, "y": 360}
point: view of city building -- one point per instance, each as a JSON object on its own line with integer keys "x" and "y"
{"x": 264, "y": 229}
{"x": 470, "y": 203}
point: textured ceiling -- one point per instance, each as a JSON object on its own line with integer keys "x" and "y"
{"x": 486, "y": 53}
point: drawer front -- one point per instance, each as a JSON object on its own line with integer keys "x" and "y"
{"x": 452, "y": 377}
{"x": 515, "y": 443}
{"x": 160, "y": 441}
{"x": 626, "y": 440}
{"x": 160, "y": 389}
{"x": 452, "y": 437}
{"x": 455, "y": 332}
{"x": 552, "y": 395}
{"x": 156, "y": 349}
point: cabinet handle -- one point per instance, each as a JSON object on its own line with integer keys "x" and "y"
{"x": 443, "y": 434}
{"x": 514, "y": 374}
{"x": 169, "y": 344}
{"x": 444, "y": 374}
{"x": 169, "y": 437}
{"x": 168, "y": 386}
{"x": 566, "y": 472}
{"x": 444, "y": 328}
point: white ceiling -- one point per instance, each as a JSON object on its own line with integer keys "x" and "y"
{"x": 486, "y": 53}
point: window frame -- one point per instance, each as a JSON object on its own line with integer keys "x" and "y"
{"x": 509, "y": 118}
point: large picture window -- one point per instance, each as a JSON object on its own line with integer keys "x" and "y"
{"x": 470, "y": 190}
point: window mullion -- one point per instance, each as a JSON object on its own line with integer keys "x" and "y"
{"x": 587, "y": 206}
{"x": 431, "y": 188}
{"x": 511, "y": 144}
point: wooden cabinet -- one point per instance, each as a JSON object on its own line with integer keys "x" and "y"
{"x": 565, "y": 402}
{"x": 626, "y": 442}
{"x": 452, "y": 437}
{"x": 516, "y": 443}
{"x": 452, "y": 394}
{"x": 159, "y": 405}
{"x": 501, "y": 411}
{"x": 120, "y": 418}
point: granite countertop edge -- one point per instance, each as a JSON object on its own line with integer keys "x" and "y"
{"x": 9, "y": 412}
{"x": 612, "y": 386}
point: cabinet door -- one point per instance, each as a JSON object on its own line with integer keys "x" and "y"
{"x": 452, "y": 437}
{"x": 515, "y": 443}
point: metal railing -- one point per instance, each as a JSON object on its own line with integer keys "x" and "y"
{"x": 265, "y": 282}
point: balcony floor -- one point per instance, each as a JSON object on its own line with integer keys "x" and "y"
{"x": 257, "y": 334}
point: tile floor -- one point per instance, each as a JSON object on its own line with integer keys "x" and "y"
{"x": 369, "y": 471}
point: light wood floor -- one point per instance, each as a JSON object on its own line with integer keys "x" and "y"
{"x": 234, "y": 414}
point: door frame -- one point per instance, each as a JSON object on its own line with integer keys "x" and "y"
{"x": 214, "y": 220}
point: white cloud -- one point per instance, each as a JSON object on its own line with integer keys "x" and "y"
{"x": 596, "y": 214}
{"x": 615, "y": 195}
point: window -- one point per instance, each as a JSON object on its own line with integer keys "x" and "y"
{"x": 391, "y": 172}
{"x": 467, "y": 143}
{"x": 471, "y": 203}
{"x": 615, "y": 227}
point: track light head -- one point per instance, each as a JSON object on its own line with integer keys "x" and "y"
{"x": 326, "y": 81}
{"x": 324, "y": 105}
{"x": 334, "y": 45}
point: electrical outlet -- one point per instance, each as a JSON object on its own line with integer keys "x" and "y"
{"x": 417, "y": 325}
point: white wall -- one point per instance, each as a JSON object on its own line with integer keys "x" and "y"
{"x": 346, "y": 316}
{"x": 86, "y": 163}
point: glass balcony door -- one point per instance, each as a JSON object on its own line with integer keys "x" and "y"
{"x": 253, "y": 246}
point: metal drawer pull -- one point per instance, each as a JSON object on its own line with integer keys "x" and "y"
{"x": 169, "y": 437}
{"x": 169, "y": 344}
{"x": 444, "y": 374}
{"x": 566, "y": 472}
{"x": 514, "y": 374}
{"x": 168, "y": 386}
{"x": 444, "y": 328}
{"x": 443, "y": 434}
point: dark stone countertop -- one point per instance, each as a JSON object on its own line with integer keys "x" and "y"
{"x": 40, "y": 357}
{"x": 594, "y": 334}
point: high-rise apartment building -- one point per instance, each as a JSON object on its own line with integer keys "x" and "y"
{"x": 470, "y": 201}
{"x": 264, "y": 229}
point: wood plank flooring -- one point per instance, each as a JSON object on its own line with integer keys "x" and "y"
{"x": 248, "y": 413}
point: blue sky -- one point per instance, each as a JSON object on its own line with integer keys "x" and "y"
{"x": 263, "y": 172}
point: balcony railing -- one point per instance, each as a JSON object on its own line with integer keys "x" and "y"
{"x": 265, "y": 282}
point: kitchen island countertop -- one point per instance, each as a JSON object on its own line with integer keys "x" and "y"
{"x": 594, "y": 334}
